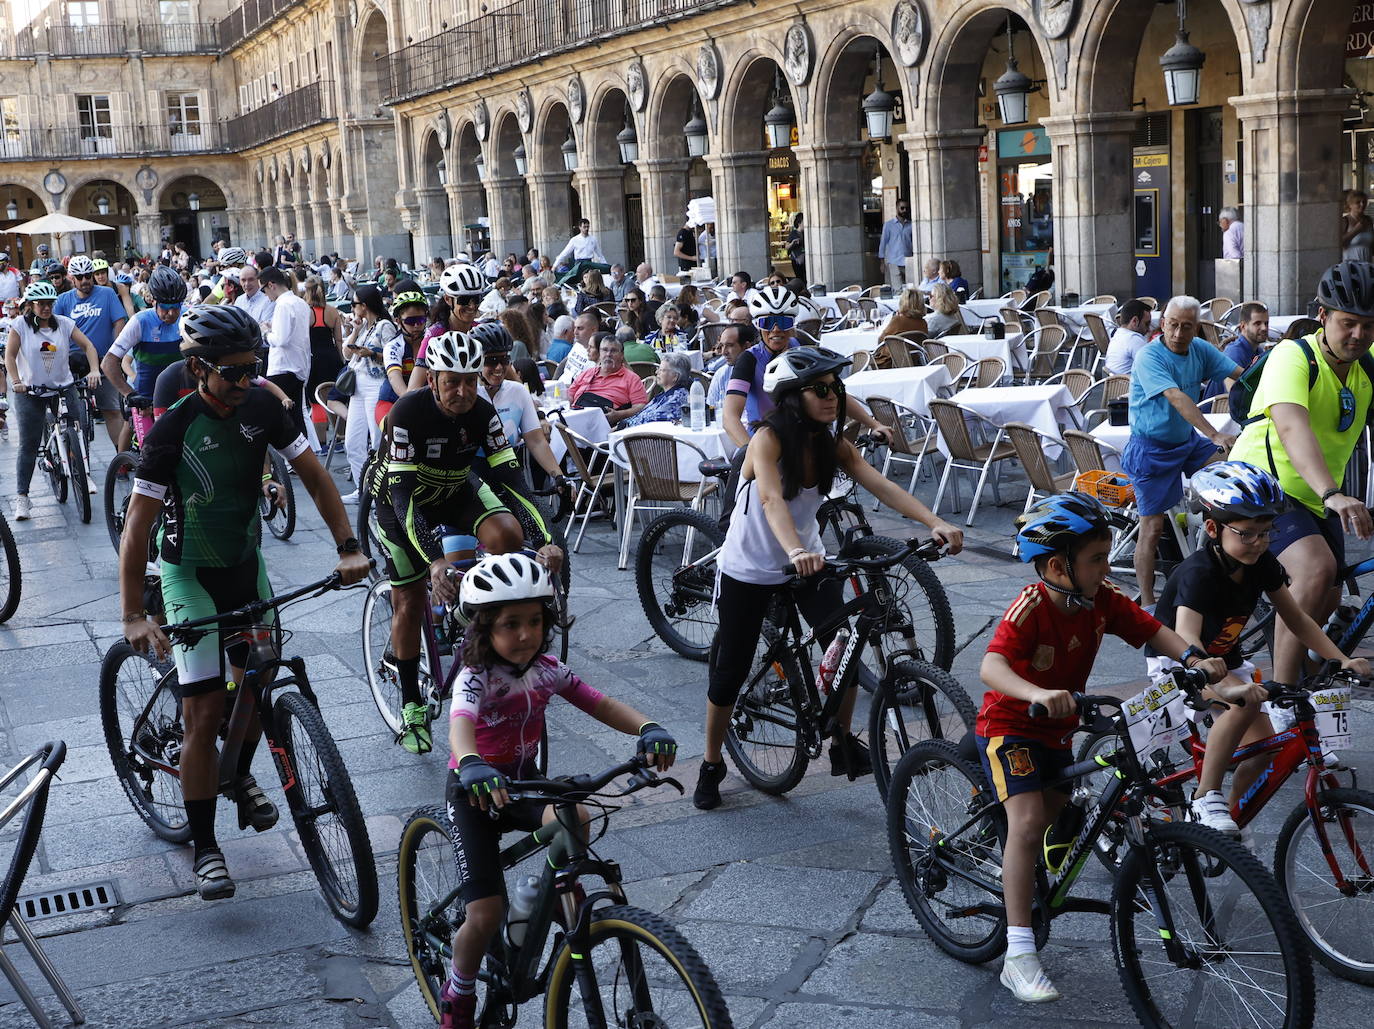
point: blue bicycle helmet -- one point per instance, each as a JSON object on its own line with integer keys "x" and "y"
{"x": 1231, "y": 490}
{"x": 1052, "y": 525}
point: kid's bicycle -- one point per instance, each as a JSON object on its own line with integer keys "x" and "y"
{"x": 62, "y": 452}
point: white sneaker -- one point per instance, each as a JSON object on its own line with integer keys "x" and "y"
{"x": 22, "y": 508}
{"x": 350, "y": 498}
{"x": 1212, "y": 811}
{"x": 1027, "y": 980}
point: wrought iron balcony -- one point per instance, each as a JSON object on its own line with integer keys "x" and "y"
{"x": 199, "y": 37}
{"x": 88, "y": 40}
{"x": 110, "y": 141}
{"x": 299, "y": 109}
{"x": 248, "y": 18}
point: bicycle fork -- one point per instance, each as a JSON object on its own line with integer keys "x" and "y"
{"x": 1152, "y": 883}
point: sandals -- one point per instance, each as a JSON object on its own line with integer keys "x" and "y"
{"x": 254, "y": 807}
{"x": 212, "y": 876}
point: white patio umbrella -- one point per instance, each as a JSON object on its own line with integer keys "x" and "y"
{"x": 57, "y": 226}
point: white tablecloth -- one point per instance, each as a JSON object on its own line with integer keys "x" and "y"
{"x": 911, "y": 387}
{"x": 850, "y": 341}
{"x": 712, "y": 440}
{"x": 1117, "y": 436}
{"x": 825, "y": 303}
{"x": 977, "y": 311}
{"x": 588, "y": 421}
{"x": 1072, "y": 317}
{"x": 1044, "y": 408}
{"x": 976, "y": 346}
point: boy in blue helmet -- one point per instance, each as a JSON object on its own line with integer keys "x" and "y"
{"x": 1042, "y": 652}
{"x": 1208, "y": 600}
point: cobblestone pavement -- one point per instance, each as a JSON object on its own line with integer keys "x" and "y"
{"x": 790, "y": 900}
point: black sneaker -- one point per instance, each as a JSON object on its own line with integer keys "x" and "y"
{"x": 707, "y": 794}
{"x": 859, "y": 762}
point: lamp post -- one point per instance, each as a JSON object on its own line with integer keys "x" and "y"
{"x": 1013, "y": 88}
{"x": 522, "y": 163}
{"x": 879, "y": 105}
{"x": 441, "y": 170}
{"x": 628, "y": 139}
{"x": 12, "y": 211}
{"x": 102, "y": 204}
{"x": 1182, "y": 64}
{"x": 193, "y": 201}
{"x": 698, "y": 139}
{"x": 569, "y": 149}
{"x": 779, "y": 120}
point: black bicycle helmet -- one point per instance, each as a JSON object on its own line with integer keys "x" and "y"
{"x": 166, "y": 286}
{"x": 494, "y": 338}
{"x": 216, "y": 330}
{"x": 1349, "y": 287}
{"x": 793, "y": 369}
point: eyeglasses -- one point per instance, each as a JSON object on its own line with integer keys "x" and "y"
{"x": 232, "y": 372}
{"x": 1346, "y": 418}
{"x": 1249, "y": 536}
{"x": 414, "y": 319}
{"x": 775, "y": 322}
{"x": 824, "y": 389}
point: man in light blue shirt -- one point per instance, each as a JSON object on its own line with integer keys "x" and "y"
{"x": 895, "y": 246}
{"x": 98, "y": 313}
{"x": 1170, "y": 437}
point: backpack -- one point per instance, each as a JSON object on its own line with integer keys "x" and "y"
{"x": 1243, "y": 392}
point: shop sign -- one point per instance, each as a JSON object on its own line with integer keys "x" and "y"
{"x": 1028, "y": 142}
{"x": 781, "y": 163}
{"x": 1360, "y": 41}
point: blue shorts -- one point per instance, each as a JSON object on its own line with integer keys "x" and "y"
{"x": 1300, "y": 523}
{"x": 1157, "y": 469}
{"x": 1018, "y": 764}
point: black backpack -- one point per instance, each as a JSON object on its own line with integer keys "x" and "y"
{"x": 1243, "y": 392}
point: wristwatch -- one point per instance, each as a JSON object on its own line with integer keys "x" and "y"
{"x": 350, "y": 546}
{"x": 1332, "y": 492}
{"x": 1192, "y": 652}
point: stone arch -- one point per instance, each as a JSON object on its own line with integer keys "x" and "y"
{"x": 505, "y": 137}
{"x": 463, "y": 154}
{"x": 125, "y": 217}
{"x": 609, "y": 186}
{"x": 434, "y": 230}
{"x": 746, "y": 96}
{"x": 671, "y": 175}
{"x": 839, "y": 78}
{"x": 669, "y": 108}
{"x": 1303, "y": 39}
{"x": 195, "y": 227}
{"x": 555, "y": 206}
{"x": 29, "y": 199}
{"x": 507, "y": 197}
{"x": 371, "y": 50}
{"x": 552, "y": 123}
{"x": 468, "y": 192}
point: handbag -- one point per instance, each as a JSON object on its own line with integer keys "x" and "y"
{"x": 347, "y": 382}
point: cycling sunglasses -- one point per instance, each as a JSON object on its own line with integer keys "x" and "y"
{"x": 232, "y": 372}
{"x": 496, "y": 361}
{"x": 415, "y": 319}
{"x": 824, "y": 389}
{"x": 775, "y": 322}
{"x": 1346, "y": 418}
{"x": 168, "y": 307}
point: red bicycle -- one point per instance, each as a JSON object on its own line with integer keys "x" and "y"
{"x": 1321, "y": 862}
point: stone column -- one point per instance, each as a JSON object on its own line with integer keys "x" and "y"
{"x": 324, "y": 236}
{"x": 831, "y": 198}
{"x": 603, "y": 204}
{"x": 1094, "y": 231}
{"x": 550, "y": 210}
{"x": 432, "y": 229}
{"x": 741, "y": 211}
{"x": 946, "y": 221}
{"x": 468, "y": 205}
{"x": 373, "y": 185}
{"x": 506, "y": 198}
{"x": 341, "y": 244}
{"x": 664, "y": 196}
{"x": 148, "y": 233}
{"x": 1292, "y": 165}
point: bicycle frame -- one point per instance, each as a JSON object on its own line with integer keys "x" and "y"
{"x": 62, "y": 419}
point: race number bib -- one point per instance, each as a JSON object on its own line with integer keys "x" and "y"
{"x": 1332, "y": 706}
{"x": 1156, "y": 717}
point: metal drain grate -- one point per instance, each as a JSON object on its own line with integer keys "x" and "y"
{"x": 88, "y": 897}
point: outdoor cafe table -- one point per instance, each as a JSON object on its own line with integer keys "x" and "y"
{"x": 910, "y": 387}
{"x": 1072, "y": 317}
{"x": 849, "y": 342}
{"x": 712, "y": 440}
{"x": 825, "y": 303}
{"x": 1117, "y": 436}
{"x": 1044, "y": 408}
{"x": 975, "y": 346}
{"x": 587, "y": 421}
{"x": 978, "y": 311}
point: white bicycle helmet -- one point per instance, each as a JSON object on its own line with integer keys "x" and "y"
{"x": 777, "y": 300}
{"x": 462, "y": 280}
{"x": 235, "y": 256}
{"x": 80, "y": 265}
{"x": 793, "y": 369}
{"x": 40, "y": 290}
{"x": 504, "y": 579}
{"x": 454, "y": 352}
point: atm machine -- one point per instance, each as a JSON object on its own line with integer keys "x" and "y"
{"x": 1150, "y": 218}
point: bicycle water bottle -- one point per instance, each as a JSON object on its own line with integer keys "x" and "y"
{"x": 1341, "y": 619}
{"x": 521, "y": 904}
{"x": 696, "y": 399}
{"x": 1064, "y": 830}
{"x": 831, "y": 660}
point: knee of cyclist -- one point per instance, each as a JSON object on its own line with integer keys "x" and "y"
{"x": 506, "y": 538}
{"x": 484, "y": 915}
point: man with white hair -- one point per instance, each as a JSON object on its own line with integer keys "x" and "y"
{"x": 1170, "y": 437}
{"x": 560, "y": 338}
{"x": 1232, "y": 234}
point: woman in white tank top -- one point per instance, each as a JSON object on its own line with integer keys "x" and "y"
{"x": 788, "y": 469}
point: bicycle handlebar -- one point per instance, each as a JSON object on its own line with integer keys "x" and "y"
{"x": 257, "y": 608}
{"x": 1190, "y": 680}
{"x": 579, "y": 787}
{"x": 926, "y": 550}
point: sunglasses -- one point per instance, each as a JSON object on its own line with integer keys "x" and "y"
{"x": 1346, "y": 418}
{"x": 414, "y": 319}
{"x": 466, "y": 302}
{"x": 775, "y": 322}
{"x": 1248, "y": 536}
{"x": 83, "y": 278}
{"x": 824, "y": 389}
{"x": 232, "y": 372}
{"x": 494, "y": 362}
{"x": 168, "y": 307}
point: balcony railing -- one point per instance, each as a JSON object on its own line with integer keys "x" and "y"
{"x": 299, "y": 109}
{"x": 20, "y": 45}
{"x": 246, "y": 19}
{"x": 88, "y": 40}
{"x": 110, "y": 141}
{"x": 184, "y": 38}
{"x": 519, "y": 33}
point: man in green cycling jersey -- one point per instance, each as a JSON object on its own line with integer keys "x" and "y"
{"x": 202, "y": 467}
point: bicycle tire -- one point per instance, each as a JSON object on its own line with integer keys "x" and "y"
{"x": 675, "y": 590}
{"x": 26, "y": 840}
{"x": 631, "y": 934}
{"x": 118, "y": 492}
{"x": 775, "y": 698}
{"x": 426, "y": 873}
{"x": 916, "y": 701}
{"x": 1252, "y": 901}
{"x": 52, "y": 466}
{"x": 381, "y": 675}
{"x": 1290, "y": 865}
{"x": 12, "y": 578}
{"x": 366, "y": 529}
{"x": 154, "y": 794}
{"x": 81, "y": 491}
{"x": 299, "y": 721}
{"x": 933, "y": 792}
{"x": 281, "y": 521}
{"x": 924, "y": 602}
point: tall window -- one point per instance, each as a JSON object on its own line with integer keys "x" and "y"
{"x": 83, "y": 12}
{"x": 175, "y": 12}
{"x": 9, "y": 117}
{"x": 183, "y": 114}
{"x": 93, "y": 112}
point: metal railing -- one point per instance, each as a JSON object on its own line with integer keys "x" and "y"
{"x": 246, "y": 19}
{"x": 88, "y": 40}
{"x": 519, "y": 33}
{"x": 110, "y": 141}
{"x": 20, "y": 45}
{"x": 199, "y": 37}
{"x": 298, "y": 109}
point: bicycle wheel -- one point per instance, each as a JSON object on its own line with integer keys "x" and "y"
{"x": 1242, "y": 959}
{"x": 119, "y": 487}
{"x": 141, "y": 716}
{"x": 645, "y": 973}
{"x": 369, "y": 535}
{"x": 1110, "y": 845}
{"x": 280, "y": 521}
{"x": 917, "y": 701}
{"x": 933, "y": 793}
{"x": 675, "y": 574}
{"x": 381, "y": 665}
{"x": 81, "y": 491}
{"x": 11, "y": 578}
{"x": 50, "y": 459}
{"x": 427, "y": 880}
{"x": 1335, "y": 918}
{"x": 325, "y": 810}
{"x": 920, "y": 623}
{"x": 765, "y": 734}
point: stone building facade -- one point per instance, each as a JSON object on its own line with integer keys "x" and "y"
{"x": 373, "y": 127}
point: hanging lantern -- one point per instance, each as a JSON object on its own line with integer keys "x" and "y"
{"x": 779, "y": 120}
{"x": 628, "y": 141}
{"x": 1182, "y": 64}
{"x": 698, "y": 139}
{"x": 569, "y": 149}
{"x": 1013, "y": 88}
{"x": 878, "y": 106}
{"x": 522, "y": 163}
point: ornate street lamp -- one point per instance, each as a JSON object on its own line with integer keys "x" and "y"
{"x": 1013, "y": 88}
{"x": 569, "y": 149}
{"x": 779, "y": 120}
{"x": 481, "y": 166}
{"x": 102, "y": 204}
{"x": 698, "y": 139}
{"x": 12, "y": 210}
{"x": 193, "y": 201}
{"x": 628, "y": 139}
{"x": 1182, "y": 64}
{"x": 879, "y": 105}
{"x": 441, "y": 170}
{"x": 522, "y": 163}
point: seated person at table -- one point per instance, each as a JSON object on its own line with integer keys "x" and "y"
{"x": 910, "y": 317}
{"x": 669, "y": 335}
{"x": 1252, "y": 339}
{"x": 610, "y": 385}
{"x": 945, "y": 319}
{"x": 734, "y": 340}
{"x": 561, "y": 342}
{"x": 634, "y": 349}
{"x": 954, "y": 279}
{"x": 1130, "y": 337}
{"x": 675, "y": 376}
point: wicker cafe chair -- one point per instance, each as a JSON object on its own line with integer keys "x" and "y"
{"x": 1087, "y": 452}
{"x": 965, "y": 453}
{"x": 912, "y": 436}
{"x": 897, "y": 351}
{"x": 592, "y": 487}
{"x": 655, "y": 483}
{"x": 1101, "y": 338}
{"x": 989, "y": 371}
{"x": 1030, "y": 447}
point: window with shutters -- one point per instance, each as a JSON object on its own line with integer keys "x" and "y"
{"x": 93, "y": 114}
{"x": 183, "y": 114}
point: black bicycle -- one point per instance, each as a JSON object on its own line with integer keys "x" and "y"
{"x": 11, "y": 578}
{"x": 280, "y": 518}
{"x": 62, "y": 451}
{"x": 140, "y": 710}
{"x": 1200, "y": 930}
{"x": 782, "y": 718}
{"x": 610, "y": 964}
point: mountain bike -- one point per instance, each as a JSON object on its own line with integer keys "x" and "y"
{"x": 1322, "y": 864}
{"x": 119, "y": 482}
{"x": 1201, "y": 933}
{"x": 610, "y": 964}
{"x": 11, "y": 577}
{"x": 61, "y": 454}
{"x": 1349, "y": 626}
{"x": 280, "y": 519}
{"x": 782, "y": 718}
{"x": 141, "y": 713}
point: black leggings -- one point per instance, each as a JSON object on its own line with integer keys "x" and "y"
{"x": 740, "y": 608}
{"x": 294, "y": 389}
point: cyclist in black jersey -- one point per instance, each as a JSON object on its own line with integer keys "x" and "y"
{"x": 202, "y": 465}
{"x": 422, "y": 480}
